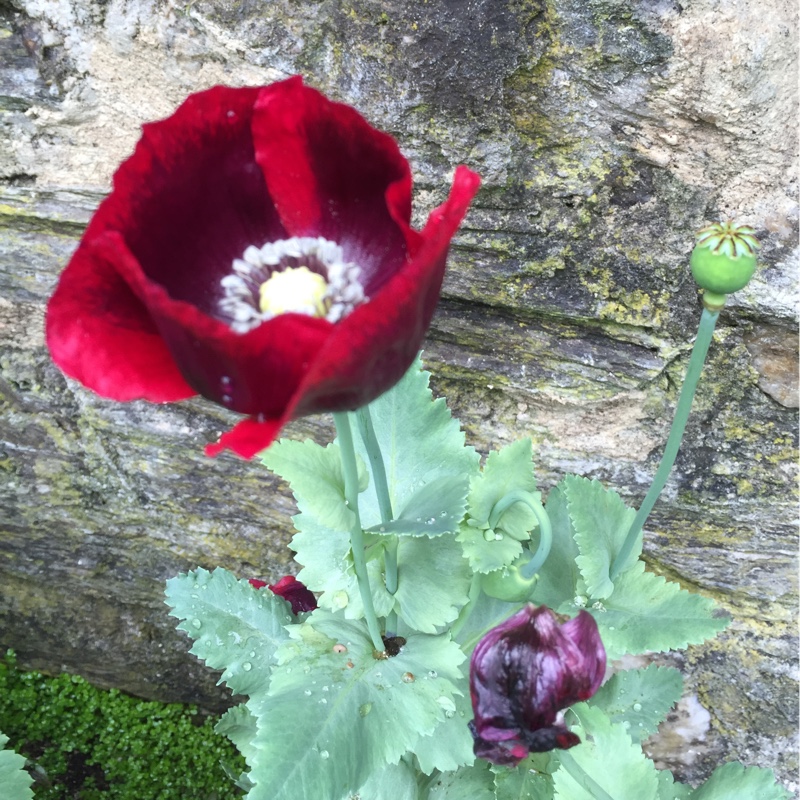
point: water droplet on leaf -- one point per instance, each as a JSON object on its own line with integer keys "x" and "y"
{"x": 340, "y": 599}
{"x": 247, "y": 666}
{"x": 324, "y": 754}
{"x": 408, "y": 677}
{"x": 196, "y": 624}
{"x": 364, "y": 709}
{"x": 637, "y": 706}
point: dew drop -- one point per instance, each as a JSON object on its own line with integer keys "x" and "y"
{"x": 637, "y": 706}
{"x": 443, "y": 514}
{"x": 324, "y": 754}
{"x": 339, "y": 648}
{"x": 364, "y": 709}
{"x": 307, "y": 692}
{"x": 196, "y": 624}
{"x": 488, "y": 535}
{"x": 247, "y": 666}
{"x": 227, "y": 400}
{"x": 225, "y": 382}
{"x": 611, "y": 628}
{"x": 252, "y": 654}
{"x": 340, "y": 599}
{"x": 447, "y": 705}
{"x": 431, "y": 520}
{"x": 382, "y": 529}
{"x": 498, "y": 536}
{"x": 324, "y": 688}
{"x": 433, "y": 674}
{"x": 408, "y": 677}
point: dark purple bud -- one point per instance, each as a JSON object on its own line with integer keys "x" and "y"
{"x": 523, "y": 674}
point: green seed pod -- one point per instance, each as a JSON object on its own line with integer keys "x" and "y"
{"x": 509, "y": 584}
{"x": 724, "y": 259}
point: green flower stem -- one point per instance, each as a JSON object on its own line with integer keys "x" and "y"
{"x": 474, "y": 594}
{"x": 545, "y": 528}
{"x": 582, "y": 777}
{"x": 705, "y": 332}
{"x": 378, "y": 469}
{"x": 350, "y": 469}
{"x": 367, "y": 431}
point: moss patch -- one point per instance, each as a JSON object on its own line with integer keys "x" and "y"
{"x": 87, "y": 743}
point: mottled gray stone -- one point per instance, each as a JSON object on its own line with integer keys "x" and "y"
{"x": 606, "y": 132}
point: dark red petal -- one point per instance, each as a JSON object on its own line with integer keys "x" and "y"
{"x": 295, "y": 593}
{"x": 192, "y": 198}
{"x": 256, "y": 583}
{"x": 253, "y": 373}
{"x": 247, "y": 438}
{"x": 328, "y": 172}
{"x": 100, "y": 333}
{"x": 371, "y": 349}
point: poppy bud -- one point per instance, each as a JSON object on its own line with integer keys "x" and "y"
{"x": 523, "y": 674}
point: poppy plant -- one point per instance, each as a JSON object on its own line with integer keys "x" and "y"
{"x": 523, "y": 673}
{"x": 255, "y": 249}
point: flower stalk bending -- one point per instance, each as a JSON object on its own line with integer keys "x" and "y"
{"x": 705, "y": 332}
{"x": 350, "y": 470}
{"x": 529, "y": 569}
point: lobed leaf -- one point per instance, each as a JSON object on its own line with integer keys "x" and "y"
{"x": 648, "y": 613}
{"x": 395, "y": 781}
{"x": 449, "y": 746}
{"x": 420, "y": 443}
{"x": 314, "y": 474}
{"x": 436, "y": 508}
{"x": 608, "y": 757}
{"x": 236, "y": 628}
{"x": 670, "y": 789}
{"x": 734, "y": 781}
{"x": 600, "y": 521}
{"x": 522, "y": 783}
{"x": 505, "y": 471}
{"x": 639, "y": 699}
{"x": 433, "y": 582}
{"x": 467, "y": 783}
{"x": 358, "y": 713}
{"x": 15, "y": 782}
{"x": 327, "y": 562}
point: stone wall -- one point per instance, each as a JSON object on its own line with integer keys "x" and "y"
{"x": 606, "y": 132}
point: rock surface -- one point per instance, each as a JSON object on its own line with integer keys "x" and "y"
{"x": 606, "y": 132}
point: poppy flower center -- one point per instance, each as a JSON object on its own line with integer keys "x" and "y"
{"x": 301, "y": 275}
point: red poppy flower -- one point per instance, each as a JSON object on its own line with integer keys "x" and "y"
{"x": 256, "y": 249}
{"x": 290, "y": 589}
{"x": 523, "y": 673}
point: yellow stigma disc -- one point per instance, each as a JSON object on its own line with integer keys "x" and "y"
{"x": 296, "y": 289}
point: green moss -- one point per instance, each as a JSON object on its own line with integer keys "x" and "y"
{"x": 88, "y": 743}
